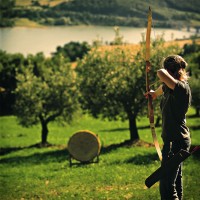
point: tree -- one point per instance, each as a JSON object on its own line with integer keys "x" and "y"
{"x": 46, "y": 92}
{"x": 9, "y": 63}
{"x": 192, "y": 55}
{"x": 194, "y": 83}
{"x": 194, "y": 63}
{"x": 73, "y": 50}
{"x": 112, "y": 83}
{"x": 6, "y": 12}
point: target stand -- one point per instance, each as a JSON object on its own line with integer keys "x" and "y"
{"x": 84, "y": 147}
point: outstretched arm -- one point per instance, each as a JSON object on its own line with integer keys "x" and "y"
{"x": 155, "y": 93}
{"x": 159, "y": 91}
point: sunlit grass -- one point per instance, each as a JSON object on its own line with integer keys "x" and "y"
{"x": 44, "y": 173}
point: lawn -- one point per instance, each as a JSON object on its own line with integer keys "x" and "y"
{"x": 28, "y": 172}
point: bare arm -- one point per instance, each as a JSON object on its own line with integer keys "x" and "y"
{"x": 155, "y": 93}
{"x": 159, "y": 91}
{"x": 167, "y": 78}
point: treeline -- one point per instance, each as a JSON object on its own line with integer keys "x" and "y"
{"x": 6, "y": 13}
{"x": 105, "y": 83}
{"x": 11, "y": 64}
{"x": 167, "y": 13}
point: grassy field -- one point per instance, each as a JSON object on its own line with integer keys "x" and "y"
{"x": 27, "y": 172}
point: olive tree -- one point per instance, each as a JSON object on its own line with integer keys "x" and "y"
{"x": 9, "y": 63}
{"x": 46, "y": 91}
{"x": 194, "y": 64}
{"x": 112, "y": 82}
{"x": 192, "y": 54}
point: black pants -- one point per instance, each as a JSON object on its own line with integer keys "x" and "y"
{"x": 171, "y": 187}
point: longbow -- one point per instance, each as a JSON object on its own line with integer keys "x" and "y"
{"x": 150, "y": 104}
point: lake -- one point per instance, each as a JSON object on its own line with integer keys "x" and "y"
{"x": 33, "y": 40}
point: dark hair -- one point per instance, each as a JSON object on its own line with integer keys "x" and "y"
{"x": 176, "y": 65}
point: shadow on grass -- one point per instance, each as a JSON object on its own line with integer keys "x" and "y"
{"x": 137, "y": 160}
{"x": 193, "y": 116}
{"x": 54, "y": 155}
{"x": 143, "y": 159}
{"x": 146, "y": 159}
{"x": 60, "y": 154}
{"x": 197, "y": 127}
{"x": 4, "y": 151}
{"x": 196, "y": 155}
{"x": 126, "y": 143}
{"x": 114, "y": 130}
{"x": 123, "y": 129}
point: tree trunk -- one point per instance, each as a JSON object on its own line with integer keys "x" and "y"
{"x": 44, "y": 132}
{"x": 133, "y": 128}
{"x": 197, "y": 112}
{"x": 157, "y": 121}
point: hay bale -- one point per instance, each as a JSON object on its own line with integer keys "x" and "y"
{"x": 84, "y": 146}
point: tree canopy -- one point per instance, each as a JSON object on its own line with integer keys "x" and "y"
{"x": 192, "y": 54}
{"x": 46, "y": 92}
{"x": 112, "y": 83}
{"x": 73, "y": 50}
{"x": 109, "y": 82}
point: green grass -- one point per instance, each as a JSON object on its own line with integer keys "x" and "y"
{"x": 44, "y": 173}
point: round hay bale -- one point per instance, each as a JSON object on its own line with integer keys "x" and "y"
{"x": 84, "y": 146}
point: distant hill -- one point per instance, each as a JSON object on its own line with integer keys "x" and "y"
{"x": 166, "y": 13}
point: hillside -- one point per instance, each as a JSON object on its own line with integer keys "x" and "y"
{"x": 166, "y": 13}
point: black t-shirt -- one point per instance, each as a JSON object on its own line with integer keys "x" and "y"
{"x": 174, "y": 106}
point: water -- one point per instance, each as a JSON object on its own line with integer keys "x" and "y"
{"x": 33, "y": 40}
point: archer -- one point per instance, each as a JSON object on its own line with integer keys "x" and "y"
{"x": 176, "y": 99}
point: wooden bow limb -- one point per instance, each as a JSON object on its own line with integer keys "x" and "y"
{"x": 150, "y": 103}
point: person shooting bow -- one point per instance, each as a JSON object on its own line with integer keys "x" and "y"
{"x": 176, "y": 99}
